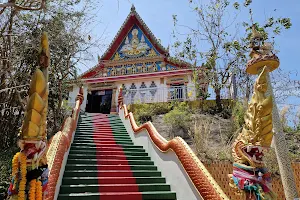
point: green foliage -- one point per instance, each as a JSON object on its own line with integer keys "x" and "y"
{"x": 144, "y": 112}
{"x": 179, "y": 117}
{"x": 65, "y": 22}
{"x": 5, "y": 169}
{"x": 238, "y": 113}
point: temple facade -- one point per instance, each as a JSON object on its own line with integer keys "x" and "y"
{"x": 137, "y": 62}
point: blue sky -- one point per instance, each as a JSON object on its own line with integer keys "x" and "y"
{"x": 157, "y": 14}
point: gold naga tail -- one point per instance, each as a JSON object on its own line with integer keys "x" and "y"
{"x": 30, "y": 164}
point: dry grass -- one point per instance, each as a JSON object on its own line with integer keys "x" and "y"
{"x": 211, "y": 141}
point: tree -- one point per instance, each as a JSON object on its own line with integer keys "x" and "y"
{"x": 24, "y": 5}
{"x": 226, "y": 52}
{"x": 66, "y": 22}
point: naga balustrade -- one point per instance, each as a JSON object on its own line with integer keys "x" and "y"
{"x": 202, "y": 180}
{"x": 58, "y": 149}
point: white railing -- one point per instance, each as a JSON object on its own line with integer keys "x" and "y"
{"x": 155, "y": 94}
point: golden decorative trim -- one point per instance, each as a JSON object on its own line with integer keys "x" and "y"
{"x": 112, "y": 63}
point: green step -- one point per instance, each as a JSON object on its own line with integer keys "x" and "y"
{"x": 94, "y": 173}
{"x": 95, "y": 166}
{"x": 64, "y": 189}
{"x": 91, "y": 132}
{"x": 91, "y": 137}
{"x": 165, "y": 195}
{"x": 102, "y": 142}
{"x": 127, "y": 152}
{"x": 94, "y": 180}
{"x": 74, "y": 146}
{"x": 94, "y": 161}
{"x": 90, "y": 150}
{"x": 89, "y": 156}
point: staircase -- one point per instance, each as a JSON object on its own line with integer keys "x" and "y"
{"x": 104, "y": 164}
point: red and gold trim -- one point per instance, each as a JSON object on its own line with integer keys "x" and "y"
{"x": 59, "y": 145}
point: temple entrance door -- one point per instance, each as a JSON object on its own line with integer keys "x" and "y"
{"x": 99, "y": 101}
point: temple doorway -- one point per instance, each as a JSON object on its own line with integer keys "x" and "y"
{"x": 99, "y": 101}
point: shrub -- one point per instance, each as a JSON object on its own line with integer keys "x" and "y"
{"x": 5, "y": 169}
{"x": 179, "y": 119}
{"x": 238, "y": 113}
{"x": 144, "y": 112}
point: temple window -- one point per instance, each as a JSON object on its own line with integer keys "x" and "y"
{"x": 134, "y": 69}
{"x": 124, "y": 89}
{"x": 154, "y": 67}
{"x": 144, "y": 68}
{"x": 132, "y": 92}
{"x": 128, "y": 70}
{"x": 143, "y": 85}
{"x": 123, "y": 70}
{"x": 153, "y": 88}
{"x": 143, "y": 91}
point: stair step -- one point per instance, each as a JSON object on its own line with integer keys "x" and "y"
{"x": 103, "y": 137}
{"x": 166, "y": 195}
{"x": 101, "y": 132}
{"x": 118, "y": 157}
{"x": 109, "y": 167}
{"x": 114, "y": 135}
{"x": 101, "y": 142}
{"x": 88, "y": 119}
{"x": 112, "y": 180}
{"x": 105, "y": 146}
{"x": 140, "y": 152}
{"x": 97, "y": 127}
{"x": 110, "y": 173}
{"x": 109, "y": 161}
{"x": 93, "y": 139}
{"x": 105, "y": 149}
{"x": 113, "y": 188}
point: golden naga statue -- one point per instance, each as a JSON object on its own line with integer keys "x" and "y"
{"x": 29, "y": 166}
{"x": 249, "y": 172}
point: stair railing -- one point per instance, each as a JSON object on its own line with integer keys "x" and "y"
{"x": 205, "y": 184}
{"x": 58, "y": 149}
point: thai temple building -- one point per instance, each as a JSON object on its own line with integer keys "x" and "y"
{"x": 137, "y": 62}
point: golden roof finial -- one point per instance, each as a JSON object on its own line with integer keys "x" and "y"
{"x": 261, "y": 54}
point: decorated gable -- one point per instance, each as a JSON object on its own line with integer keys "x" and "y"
{"x": 134, "y": 50}
{"x": 135, "y": 45}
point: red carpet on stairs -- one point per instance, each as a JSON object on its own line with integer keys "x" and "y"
{"x": 112, "y": 167}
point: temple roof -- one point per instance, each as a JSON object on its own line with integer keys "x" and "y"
{"x": 134, "y": 43}
{"x": 132, "y": 19}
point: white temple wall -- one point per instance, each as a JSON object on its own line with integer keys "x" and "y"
{"x": 73, "y": 94}
{"x": 159, "y": 94}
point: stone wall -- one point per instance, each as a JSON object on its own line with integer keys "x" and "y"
{"x": 220, "y": 171}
